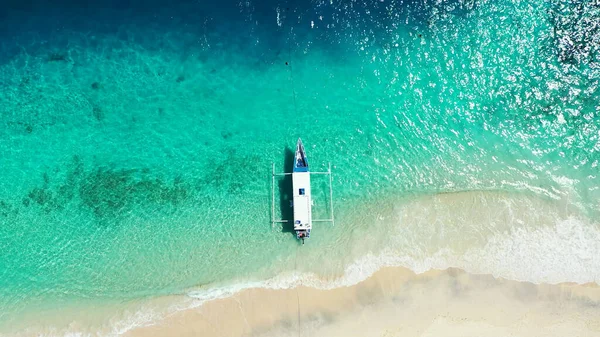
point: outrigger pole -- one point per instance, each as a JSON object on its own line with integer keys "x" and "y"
{"x": 273, "y": 220}
{"x": 330, "y": 197}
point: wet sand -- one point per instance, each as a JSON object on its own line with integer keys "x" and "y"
{"x": 396, "y": 302}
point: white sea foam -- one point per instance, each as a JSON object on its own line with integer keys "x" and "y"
{"x": 569, "y": 251}
{"x": 142, "y": 317}
{"x": 566, "y": 252}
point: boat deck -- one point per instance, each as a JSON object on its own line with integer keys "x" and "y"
{"x": 302, "y": 201}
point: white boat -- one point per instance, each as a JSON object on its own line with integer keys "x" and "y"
{"x": 301, "y": 196}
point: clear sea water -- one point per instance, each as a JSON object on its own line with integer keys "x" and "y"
{"x": 136, "y": 142}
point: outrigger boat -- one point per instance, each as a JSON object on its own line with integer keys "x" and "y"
{"x": 302, "y": 197}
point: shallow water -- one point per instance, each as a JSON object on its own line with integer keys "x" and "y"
{"x": 137, "y": 142}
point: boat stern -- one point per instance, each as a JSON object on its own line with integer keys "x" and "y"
{"x": 303, "y": 234}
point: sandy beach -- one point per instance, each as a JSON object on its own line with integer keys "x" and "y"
{"x": 397, "y": 302}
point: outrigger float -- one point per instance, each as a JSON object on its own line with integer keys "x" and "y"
{"x": 302, "y": 197}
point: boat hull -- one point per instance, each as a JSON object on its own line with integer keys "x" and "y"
{"x": 302, "y": 196}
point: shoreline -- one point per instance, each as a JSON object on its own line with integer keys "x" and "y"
{"x": 226, "y": 308}
{"x": 379, "y": 283}
{"x": 395, "y": 301}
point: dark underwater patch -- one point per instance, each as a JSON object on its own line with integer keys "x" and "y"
{"x": 97, "y": 113}
{"x": 58, "y": 57}
{"x": 229, "y": 174}
{"x": 226, "y": 134}
{"x": 40, "y": 196}
{"x": 7, "y": 210}
{"x": 109, "y": 193}
{"x": 44, "y": 197}
{"x": 110, "y": 190}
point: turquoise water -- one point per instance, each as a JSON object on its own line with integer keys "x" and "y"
{"x": 137, "y": 144}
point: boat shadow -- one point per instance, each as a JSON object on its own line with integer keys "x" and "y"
{"x": 285, "y": 189}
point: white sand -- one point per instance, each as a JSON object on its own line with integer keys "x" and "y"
{"x": 396, "y": 302}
